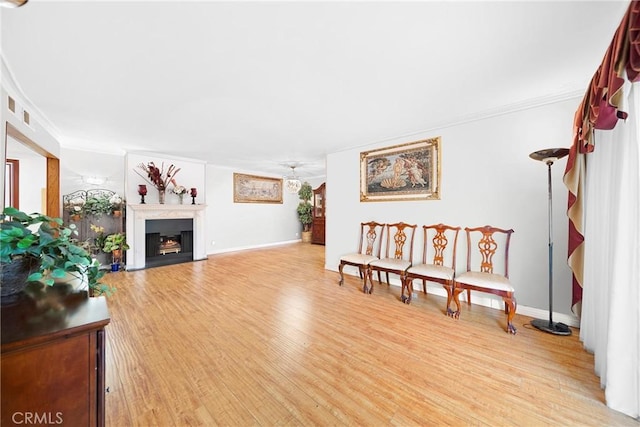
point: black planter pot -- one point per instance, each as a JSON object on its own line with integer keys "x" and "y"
{"x": 13, "y": 277}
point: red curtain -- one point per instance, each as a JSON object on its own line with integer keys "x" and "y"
{"x": 599, "y": 109}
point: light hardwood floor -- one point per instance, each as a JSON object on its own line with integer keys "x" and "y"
{"x": 267, "y": 337}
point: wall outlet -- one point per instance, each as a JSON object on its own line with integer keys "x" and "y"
{"x": 213, "y": 242}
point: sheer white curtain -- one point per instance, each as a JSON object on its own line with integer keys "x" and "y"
{"x": 610, "y": 321}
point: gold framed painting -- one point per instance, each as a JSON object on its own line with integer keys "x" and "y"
{"x": 256, "y": 189}
{"x": 408, "y": 171}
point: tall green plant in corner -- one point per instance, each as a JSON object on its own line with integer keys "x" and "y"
{"x": 305, "y": 208}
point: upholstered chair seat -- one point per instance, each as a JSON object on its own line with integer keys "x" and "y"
{"x": 486, "y": 280}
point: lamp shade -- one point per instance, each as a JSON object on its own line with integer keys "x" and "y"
{"x": 549, "y": 154}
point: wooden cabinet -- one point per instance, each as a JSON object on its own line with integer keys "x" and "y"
{"x": 53, "y": 358}
{"x": 319, "y": 209}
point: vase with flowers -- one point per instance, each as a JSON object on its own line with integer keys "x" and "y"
{"x": 179, "y": 190}
{"x": 158, "y": 177}
{"x": 116, "y": 203}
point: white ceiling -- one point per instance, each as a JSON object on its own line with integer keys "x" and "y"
{"x": 258, "y": 85}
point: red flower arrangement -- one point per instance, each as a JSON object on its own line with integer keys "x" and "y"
{"x": 157, "y": 176}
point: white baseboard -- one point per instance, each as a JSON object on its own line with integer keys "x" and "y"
{"x": 244, "y": 248}
{"x": 484, "y": 300}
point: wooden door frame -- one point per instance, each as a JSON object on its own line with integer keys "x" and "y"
{"x": 53, "y": 168}
{"x": 13, "y": 185}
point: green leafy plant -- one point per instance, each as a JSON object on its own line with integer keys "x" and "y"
{"x": 114, "y": 244}
{"x": 305, "y": 208}
{"x": 97, "y": 206}
{"x": 75, "y": 209}
{"x": 98, "y": 240}
{"x": 49, "y": 245}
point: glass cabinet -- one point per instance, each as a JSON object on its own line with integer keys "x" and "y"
{"x": 319, "y": 211}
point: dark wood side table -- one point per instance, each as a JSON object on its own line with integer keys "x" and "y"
{"x": 53, "y": 368}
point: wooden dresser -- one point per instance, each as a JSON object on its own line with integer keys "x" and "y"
{"x": 319, "y": 208}
{"x": 53, "y": 358}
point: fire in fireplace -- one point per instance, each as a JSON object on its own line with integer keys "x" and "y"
{"x": 168, "y": 241}
{"x": 169, "y": 245}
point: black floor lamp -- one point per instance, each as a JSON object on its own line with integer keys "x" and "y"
{"x": 549, "y": 156}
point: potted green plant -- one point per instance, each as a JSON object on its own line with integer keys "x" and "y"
{"x": 75, "y": 210}
{"x": 305, "y": 211}
{"x": 41, "y": 248}
{"x": 116, "y": 203}
{"x": 115, "y": 243}
{"x": 97, "y": 206}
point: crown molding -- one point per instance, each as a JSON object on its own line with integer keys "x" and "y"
{"x": 508, "y": 109}
{"x": 482, "y": 115}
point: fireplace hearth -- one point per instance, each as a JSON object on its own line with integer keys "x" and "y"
{"x": 168, "y": 241}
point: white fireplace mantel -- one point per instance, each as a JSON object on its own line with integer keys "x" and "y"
{"x": 137, "y": 215}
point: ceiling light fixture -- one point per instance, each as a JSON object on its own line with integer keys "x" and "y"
{"x": 94, "y": 180}
{"x": 292, "y": 182}
{"x": 12, "y": 3}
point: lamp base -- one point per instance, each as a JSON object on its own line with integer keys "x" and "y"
{"x": 555, "y": 328}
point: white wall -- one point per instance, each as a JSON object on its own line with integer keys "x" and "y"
{"x": 33, "y": 183}
{"x": 235, "y": 226}
{"x": 77, "y": 165}
{"x": 487, "y": 178}
{"x": 32, "y": 176}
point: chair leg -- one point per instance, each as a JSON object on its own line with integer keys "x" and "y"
{"x": 367, "y": 275}
{"x": 456, "y": 298}
{"x": 408, "y": 285}
{"x": 387, "y": 274}
{"x": 449, "y": 288}
{"x": 511, "y": 311}
{"x": 424, "y": 286}
{"x": 469, "y": 296}
{"x": 341, "y": 281}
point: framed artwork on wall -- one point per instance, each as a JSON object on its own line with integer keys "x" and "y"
{"x": 256, "y": 189}
{"x": 408, "y": 171}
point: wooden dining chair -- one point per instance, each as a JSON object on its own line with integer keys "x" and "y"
{"x": 487, "y": 269}
{"x": 369, "y": 247}
{"x": 398, "y": 254}
{"x": 438, "y": 261}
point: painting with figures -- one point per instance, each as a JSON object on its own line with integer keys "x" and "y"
{"x": 401, "y": 172}
{"x": 256, "y": 189}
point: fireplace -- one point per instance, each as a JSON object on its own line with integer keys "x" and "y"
{"x": 155, "y": 242}
{"x": 168, "y": 241}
